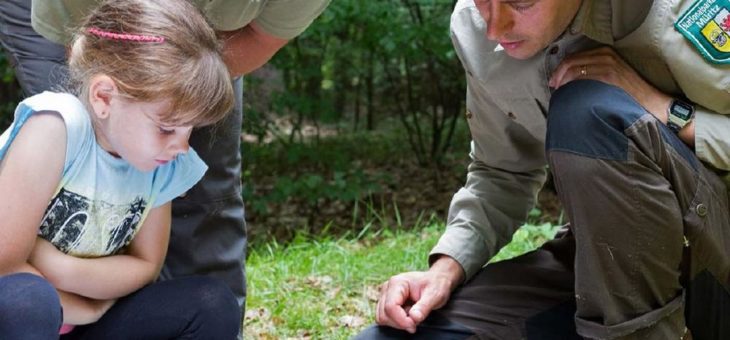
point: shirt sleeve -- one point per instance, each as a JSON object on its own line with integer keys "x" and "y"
{"x": 502, "y": 180}
{"x": 57, "y": 20}
{"x": 287, "y": 19}
{"x": 493, "y": 203}
{"x": 178, "y": 176}
{"x": 712, "y": 138}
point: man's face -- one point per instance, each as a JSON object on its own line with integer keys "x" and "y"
{"x": 525, "y": 27}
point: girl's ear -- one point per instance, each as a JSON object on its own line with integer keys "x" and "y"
{"x": 101, "y": 91}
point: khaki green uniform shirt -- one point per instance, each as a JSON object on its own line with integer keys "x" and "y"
{"x": 507, "y": 102}
{"x": 57, "y": 19}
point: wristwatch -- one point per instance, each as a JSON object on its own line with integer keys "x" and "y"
{"x": 680, "y": 113}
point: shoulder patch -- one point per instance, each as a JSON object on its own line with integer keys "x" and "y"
{"x": 706, "y": 24}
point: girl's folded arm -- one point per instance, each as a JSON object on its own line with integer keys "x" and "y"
{"x": 113, "y": 276}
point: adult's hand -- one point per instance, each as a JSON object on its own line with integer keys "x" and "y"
{"x": 407, "y": 299}
{"x": 605, "y": 65}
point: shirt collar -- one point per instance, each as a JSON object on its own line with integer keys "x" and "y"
{"x": 594, "y": 21}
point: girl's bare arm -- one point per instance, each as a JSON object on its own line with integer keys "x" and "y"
{"x": 30, "y": 173}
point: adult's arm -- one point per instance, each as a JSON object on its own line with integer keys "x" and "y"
{"x": 29, "y": 175}
{"x": 483, "y": 215}
{"x": 109, "y": 277}
{"x": 506, "y": 172}
{"x": 250, "y": 47}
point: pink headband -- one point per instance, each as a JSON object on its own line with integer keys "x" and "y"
{"x": 124, "y": 36}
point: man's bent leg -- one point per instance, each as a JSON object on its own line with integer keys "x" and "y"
{"x": 527, "y": 297}
{"x": 208, "y": 234}
{"x": 631, "y": 189}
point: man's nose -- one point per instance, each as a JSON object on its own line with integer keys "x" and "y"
{"x": 499, "y": 22}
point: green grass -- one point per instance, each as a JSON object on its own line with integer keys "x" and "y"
{"x": 324, "y": 288}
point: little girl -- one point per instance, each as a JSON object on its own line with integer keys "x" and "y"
{"x": 86, "y": 182}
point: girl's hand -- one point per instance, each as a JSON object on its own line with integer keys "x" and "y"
{"x": 605, "y": 65}
{"x": 79, "y": 310}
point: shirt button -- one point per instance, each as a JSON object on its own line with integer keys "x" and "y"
{"x": 701, "y": 210}
{"x": 554, "y": 50}
{"x": 468, "y": 114}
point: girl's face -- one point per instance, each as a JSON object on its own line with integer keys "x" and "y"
{"x": 133, "y": 131}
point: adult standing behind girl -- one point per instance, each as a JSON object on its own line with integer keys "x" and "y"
{"x": 109, "y": 159}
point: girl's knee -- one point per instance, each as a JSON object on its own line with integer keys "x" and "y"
{"x": 29, "y": 301}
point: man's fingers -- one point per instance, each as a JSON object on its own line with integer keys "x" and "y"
{"x": 430, "y": 300}
{"x": 392, "y": 306}
{"x": 566, "y": 67}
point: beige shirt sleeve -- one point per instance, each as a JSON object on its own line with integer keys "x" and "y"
{"x": 712, "y": 138}
{"x": 486, "y": 212}
{"x": 669, "y": 61}
{"x": 56, "y": 20}
{"x": 507, "y": 168}
{"x": 287, "y": 19}
{"x": 706, "y": 84}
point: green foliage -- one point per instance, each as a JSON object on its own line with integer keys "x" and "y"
{"x": 525, "y": 239}
{"x": 362, "y": 62}
{"x": 312, "y": 188}
{"x": 9, "y": 92}
{"x": 330, "y": 169}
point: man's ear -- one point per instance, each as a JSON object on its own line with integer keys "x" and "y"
{"x": 102, "y": 89}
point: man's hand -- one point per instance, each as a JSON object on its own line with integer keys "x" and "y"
{"x": 406, "y": 299}
{"x": 606, "y": 65}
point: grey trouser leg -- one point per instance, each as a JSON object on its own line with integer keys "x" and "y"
{"x": 39, "y": 64}
{"x": 208, "y": 234}
{"x": 633, "y": 191}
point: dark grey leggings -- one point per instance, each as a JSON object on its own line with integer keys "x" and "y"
{"x": 193, "y": 307}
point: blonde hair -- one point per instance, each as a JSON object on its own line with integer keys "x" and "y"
{"x": 186, "y": 68}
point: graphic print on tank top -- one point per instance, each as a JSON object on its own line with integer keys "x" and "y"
{"x": 77, "y": 225}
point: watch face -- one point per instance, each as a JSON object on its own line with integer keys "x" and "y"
{"x": 681, "y": 110}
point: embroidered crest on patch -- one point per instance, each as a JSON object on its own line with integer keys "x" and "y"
{"x": 706, "y": 24}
